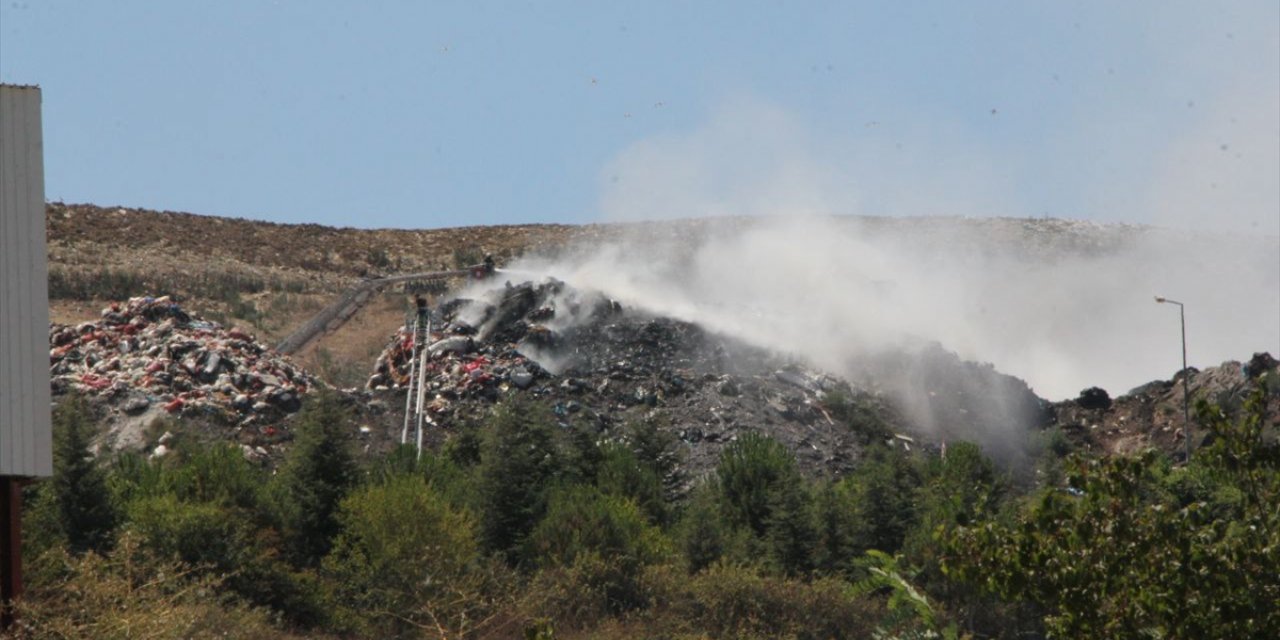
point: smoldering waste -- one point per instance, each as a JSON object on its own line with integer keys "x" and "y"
{"x": 601, "y": 366}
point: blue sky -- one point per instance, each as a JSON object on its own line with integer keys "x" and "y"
{"x": 436, "y": 114}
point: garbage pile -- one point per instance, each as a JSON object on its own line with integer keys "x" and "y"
{"x": 148, "y": 353}
{"x": 600, "y": 366}
{"x": 1151, "y": 415}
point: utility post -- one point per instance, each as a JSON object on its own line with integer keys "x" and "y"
{"x": 1186, "y": 393}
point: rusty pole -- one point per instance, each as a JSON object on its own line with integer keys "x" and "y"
{"x": 10, "y": 548}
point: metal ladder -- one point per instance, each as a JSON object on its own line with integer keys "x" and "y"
{"x": 415, "y": 412}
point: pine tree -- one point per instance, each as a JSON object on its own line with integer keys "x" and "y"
{"x": 702, "y": 534}
{"x": 318, "y": 473}
{"x": 791, "y": 534}
{"x": 836, "y": 518}
{"x": 519, "y": 460}
{"x": 85, "y": 513}
{"x": 883, "y": 488}
{"x": 621, "y": 474}
{"x": 752, "y": 471}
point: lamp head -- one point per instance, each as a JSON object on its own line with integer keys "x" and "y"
{"x": 1159, "y": 299}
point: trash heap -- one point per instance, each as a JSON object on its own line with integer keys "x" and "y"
{"x": 1151, "y": 415}
{"x": 149, "y": 353}
{"x": 600, "y": 366}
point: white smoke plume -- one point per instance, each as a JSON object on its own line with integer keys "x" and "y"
{"x": 1064, "y": 305}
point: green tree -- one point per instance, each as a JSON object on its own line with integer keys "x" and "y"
{"x": 956, "y": 490}
{"x": 317, "y": 474}
{"x": 78, "y": 489}
{"x": 882, "y": 488}
{"x": 762, "y": 491}
{"x": 519, "y": 461}
{"x": 836, "y": 520}
{"x": 656, "y": 448}
{"x": 406, "y": 559}
{"x": 202, "y": 505}
{"x": 1122, "y": 553}
{"x": 702, "y": 534}
{"x": 609, "y": 534}
{"x": 791, "y": 534}
{"x": 752, "y": 471}
{"x": 620, "y": 473}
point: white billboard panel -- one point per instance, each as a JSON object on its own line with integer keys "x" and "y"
{"x": 25, "y": 427}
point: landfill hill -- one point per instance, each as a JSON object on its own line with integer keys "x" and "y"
{"x": 600, "y": 364}
{"x": 603, "y": 367}
{"x": 272, "y": 277}
{"x": 152, "y": 372}
{"x": 243, "y": 284}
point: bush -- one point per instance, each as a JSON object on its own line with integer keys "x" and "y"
{"x": 407, "y": 559}
{"x": 1120, "y": 555}
{"x": 215, "y": 473}
{"x": 580, "y": 522}
{"x": 133, "y": 593}
{"x": 729, "y": 601}
{"x": 222, "y": 540}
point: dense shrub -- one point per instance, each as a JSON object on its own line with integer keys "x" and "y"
{"x": 134, "y": 593}
{"x": 580, "y": 522}
{"x": 407, "y": 559}
{"x": 1116, "y": 554}
{"x": 728, "y": 601}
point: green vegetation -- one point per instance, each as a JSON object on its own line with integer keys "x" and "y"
{"x": 526, "y": 527}
{"x": 78, "y": 492}
{"x": 321, "y": 469}
{"x": 1134, "y": 548}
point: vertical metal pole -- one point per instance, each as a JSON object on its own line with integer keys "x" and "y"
{"x": 422, "y": 384}
{"x": 408, "y": 395}
{"x": 10, "y": 548}
{"x": 1186, "y": 393}
{"x": 419, "y": 412}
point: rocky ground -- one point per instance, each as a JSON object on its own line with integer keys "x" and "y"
{"x": 1151, "y": 416}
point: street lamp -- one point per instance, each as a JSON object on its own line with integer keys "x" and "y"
{"x": 1186, "y": 394}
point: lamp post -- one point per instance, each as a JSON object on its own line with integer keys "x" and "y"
{"x": 1186, "y": 394}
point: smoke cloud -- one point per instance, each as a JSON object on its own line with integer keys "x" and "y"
{"x": 764, "y": 253}
{"x": 1063, "y": 305}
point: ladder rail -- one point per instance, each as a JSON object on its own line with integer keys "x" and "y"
{"x": 415, "y": 395}
{"x": 408, "y": 396}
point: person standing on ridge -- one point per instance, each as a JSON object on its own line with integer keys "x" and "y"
{"x": 423, "y": 312}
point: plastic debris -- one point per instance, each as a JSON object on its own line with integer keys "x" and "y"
{"x": 148, "y": 351}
